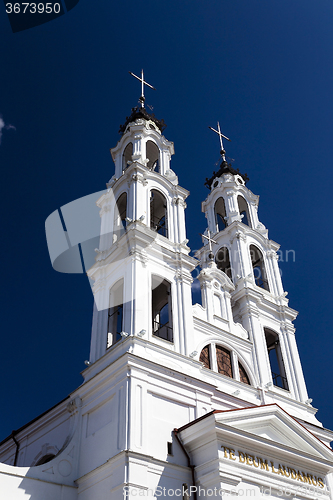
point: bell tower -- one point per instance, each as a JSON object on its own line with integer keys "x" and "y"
{"x": 142, "y": 275}
{"x": 238, "y": 245}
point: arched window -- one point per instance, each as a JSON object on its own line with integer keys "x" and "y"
{"x": 205, "y": 356}
{"x": 243, "y": 210}
{"x": 225, "y": 361}
{"x": 45, "y": 459}
{"x": 258, "y": 266}
{"x": 115, "y": 318}
{"x": 158, "y": 213}
{"x": 127, "y": 155}
{"x": 220, "y": 214}
{"x": 223, "y": 261}
{"x": 243, "y": 377}
{"x": 275, "y": 359}
{"x": 161, "y": 308}
{"x": 120, "y": 214}
{"x": 153, "y": 155}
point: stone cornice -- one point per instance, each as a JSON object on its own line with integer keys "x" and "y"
{"x": 208, "y": 275}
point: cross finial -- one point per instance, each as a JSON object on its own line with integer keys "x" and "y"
{"x": 210, "y": 240}
{"x": 218, "y": 132}
{"x": 143, "y": 83}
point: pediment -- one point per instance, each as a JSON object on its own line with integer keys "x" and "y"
{"x": 272, "y": 424}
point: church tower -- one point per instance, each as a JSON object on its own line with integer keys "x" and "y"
{"x": 178, "y": 399}
{"x": 242, "y": 250}
{"x": 142, "y": 276}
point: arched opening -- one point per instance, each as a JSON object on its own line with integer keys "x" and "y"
{"x": 161, "y": 309}
{"x": 224, "y": 363}
{"x": 127, "y": 155}
{"x": 243, "y": 377}
{"x": 153, "y": 155}
{"x": 244, "y": 210}
{"x": 222, "y": 260}
{"x": 205, "y": 356}
{"x": 258, "y": 266}
{"x": 220, "y": 214}
{"x": 45, "y": 459}
{"x": 115, "y": 317}
{"x": 275, "y": 359}
{"x": 158, "y": 213}
{"x": 120, "y": 214}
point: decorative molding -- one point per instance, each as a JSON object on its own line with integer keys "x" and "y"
{"x": 74, "y": 405}
{"x": 111, "y": 182}
{"x": 138, "y": 177}
{"x": 271, "y": 254}
{"x": 140, "y": 255}
{"x": 183, "y": 277}
{"x": 105, "y": 209}
{"x": 239, "y": 236}
{"x": 99, "y": 285}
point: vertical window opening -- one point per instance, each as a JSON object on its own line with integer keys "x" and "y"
{"x": 258, "y": 266}
{"x": 115, "y": 317}
{"x": 127, "y": 155}
{"x": 120, "y": 214}
{"x": 223, "y": 358}
{"x": 220, "y": 215}
{"x": 153, "y": 156}
{"x": 170, "y": 448}
{"x": 158, "y": 213}
{"x": 242, "y": 374}
{"x": 243, "y": 210}
{"x": 276, "y": 360}
{"x": 222, "y": 260}
{"x": 161, "y": 309}
{"x": 205, "y": 357}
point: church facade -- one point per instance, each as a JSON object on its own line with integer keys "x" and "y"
{"x": 178, "y": 400}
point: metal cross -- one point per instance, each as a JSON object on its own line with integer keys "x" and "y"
{"x": 218, "y": 132}
{"x": 210, "y": 240}
{"x": 143, "y": 83}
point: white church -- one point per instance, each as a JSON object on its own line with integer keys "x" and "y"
{"x": 178, "y": 399}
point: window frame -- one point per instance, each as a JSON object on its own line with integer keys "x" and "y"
{"x": 235, "y": 361}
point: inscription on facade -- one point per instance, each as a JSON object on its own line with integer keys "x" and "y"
{"x": 270, "y": 466}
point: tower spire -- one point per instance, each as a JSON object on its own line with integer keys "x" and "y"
{"x": 219, "y": 133}
{"x": 143, "y": 83}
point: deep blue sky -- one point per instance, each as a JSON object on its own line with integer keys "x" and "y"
{"x": 262, "y": 68}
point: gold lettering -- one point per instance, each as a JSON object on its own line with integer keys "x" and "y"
{"x": 246, "y": 458}
{"x": 280, "y": 471}
{"x": 285, "y": 472}
{"x": 273, "y": 470}
{"x": 299, "y": 477}
{"x": 293, "y": 473}
{"x": 305, "y": 478}
{"x": 263, "y": 464}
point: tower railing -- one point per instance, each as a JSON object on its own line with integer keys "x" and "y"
{"x": 280, "y": 381}
{"x": 163, "y": 331}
